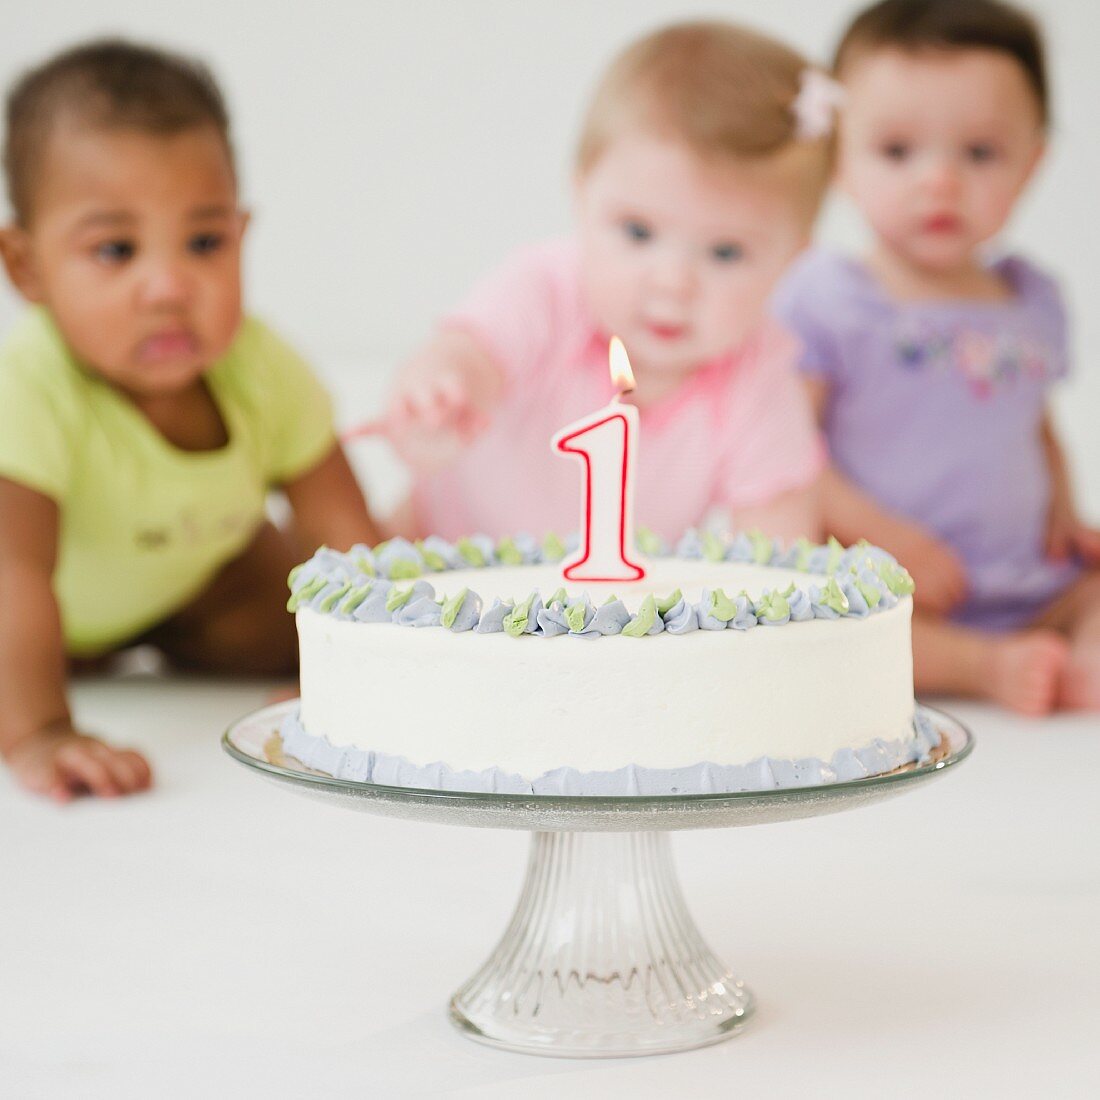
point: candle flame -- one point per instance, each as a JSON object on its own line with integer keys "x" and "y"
{"x": 621, "y": 375}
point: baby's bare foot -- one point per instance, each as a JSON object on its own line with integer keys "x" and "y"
{"x": 1025, "y": 671}
{"x": 1080, "y": 685}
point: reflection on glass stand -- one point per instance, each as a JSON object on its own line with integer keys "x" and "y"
{"x": 602, "y": 957}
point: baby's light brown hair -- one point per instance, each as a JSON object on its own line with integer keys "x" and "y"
{"x": 726, "y": 92}
{"x": 108, "y": 84}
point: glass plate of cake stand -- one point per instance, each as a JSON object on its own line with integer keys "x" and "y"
{"x": 601, "y": 957}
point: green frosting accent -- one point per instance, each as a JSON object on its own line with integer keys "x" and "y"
{"x": 397, "y": 597}
{"x": 832, "y": 596}
{"x": 470, "y": 552}
{"x": 293, "y": 575}
{"x": 646, "y": 541}
{"x": 773, "y": 606}
{"x": 553, "y": 549}
{"x": 669, "y": 602}
{"x": 761, "y": 547}
{"x": 365, "y": 566}
{"x": 721, "y": 606}
{"x": 574, "y": 616}
{"x": 515, "y": 622}
{"x": 432, "y": 558}
{"x": 610, "y": 599}
{"x": 713, "y": 548}
{"x": 404, "y": 570}
{"x": 896, "y": 578}
{"x": 869, "y": 592}
{"x": 508, "y": 553}
{"x": 788, "y": 592}
{"x": 355, "y": 597}
{"x": 805, "y": 549}
{"x": 451, "y": 608}
{"x": 835, "y": 551}
{"x": 561, "y": 596}
{"x": 639, "y": 626}
{"x": 331, "y": 600}
{"x": 305, "y": 593}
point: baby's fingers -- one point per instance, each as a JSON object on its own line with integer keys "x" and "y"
{"x": 1087, "y": 543}
{"x": 83, "y": 770}
{"x": 426, "y": 405}
{"x": 100, "y": 770}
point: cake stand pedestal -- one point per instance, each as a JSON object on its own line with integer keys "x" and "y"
{"x": 602, "y": 957}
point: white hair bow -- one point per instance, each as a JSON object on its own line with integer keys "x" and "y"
{"x": 819, "y": 96}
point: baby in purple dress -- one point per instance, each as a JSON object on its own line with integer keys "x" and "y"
{"x": 930, "y": 368}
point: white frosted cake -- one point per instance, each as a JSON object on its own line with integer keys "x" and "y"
{"x": 734, "y": 665}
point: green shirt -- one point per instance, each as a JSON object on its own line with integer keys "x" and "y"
{"x": 145, "y": 525}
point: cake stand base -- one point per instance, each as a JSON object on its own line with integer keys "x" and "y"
{"x": 601, "y": 958}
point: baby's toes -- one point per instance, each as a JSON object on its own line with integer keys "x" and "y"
{"x": 1027, "y": 671}
{"x": 1079, "y": 688}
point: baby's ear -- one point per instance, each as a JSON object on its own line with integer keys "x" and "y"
{"x": 1037, "y": 158}
{"x": 18, "y": 256}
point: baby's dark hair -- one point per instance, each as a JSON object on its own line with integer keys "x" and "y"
{"x": 914, "y": 25}
{"x": 111, "y": 84}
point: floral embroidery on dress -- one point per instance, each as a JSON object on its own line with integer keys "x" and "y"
{"x": 985, "y": 360}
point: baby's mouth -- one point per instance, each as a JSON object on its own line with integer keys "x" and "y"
{"x": 943, "y": 224}
{"x": 168, "y": 347}
{"x": 665, "y": 331}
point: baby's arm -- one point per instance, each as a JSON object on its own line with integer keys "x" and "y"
{"x": 328, "y": 505}
{"x": 1066, "y": 534}
{"x": 852, "y": 514}
{"x": 37, "y": 738}
{"x": 443, "y": 398}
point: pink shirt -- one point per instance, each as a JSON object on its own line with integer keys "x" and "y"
{"x": 737, "y": 433}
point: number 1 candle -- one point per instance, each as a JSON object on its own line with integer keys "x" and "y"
{"x": 606, "y": 443}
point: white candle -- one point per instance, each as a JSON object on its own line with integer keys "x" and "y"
{"x": 606, "y": 443}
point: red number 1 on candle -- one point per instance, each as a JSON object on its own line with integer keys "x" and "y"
{"x": 604, "y": 442}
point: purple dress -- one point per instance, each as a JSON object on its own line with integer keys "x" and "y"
{"x": 935, "y": 410}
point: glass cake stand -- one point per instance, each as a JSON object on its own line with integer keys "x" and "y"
{"x": 602, "y": 957}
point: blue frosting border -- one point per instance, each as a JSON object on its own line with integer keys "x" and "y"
{"x": 763, "y": 774}
{"x": 387, "y": 585}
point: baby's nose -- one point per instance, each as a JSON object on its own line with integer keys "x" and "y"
{"x": 941, "y": 176}
{"x": 674, "y": 275}
{"x": 165, "y": 283}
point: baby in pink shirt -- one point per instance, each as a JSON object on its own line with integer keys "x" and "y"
{"x": 700, "y": 169}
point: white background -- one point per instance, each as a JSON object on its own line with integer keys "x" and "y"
{"x": 393, "y": 150}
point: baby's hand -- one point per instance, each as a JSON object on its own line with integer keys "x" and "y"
{"x": 1068, "y": 537}
{"x": 442, "y": 400}
{"x": 61, "y": 763}
{"x": 432, "y": 415}
{"x": 937, "y": 571}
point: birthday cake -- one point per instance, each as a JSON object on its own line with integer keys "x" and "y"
{"x": 735, "y": 664}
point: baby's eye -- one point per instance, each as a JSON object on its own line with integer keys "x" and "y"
{"x": 115, "y": 252}
{"x": 980, "y": 152}
{"x": 636, "y": 230}
{"x": 204, "y": 243}
{"x": 727, "y": 252}
{"x": 895, "y": 150}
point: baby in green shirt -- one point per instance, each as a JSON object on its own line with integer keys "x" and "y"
{"x": 143, "y": 418}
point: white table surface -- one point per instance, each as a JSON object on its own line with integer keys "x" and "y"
{"x": 221, "y": 936}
